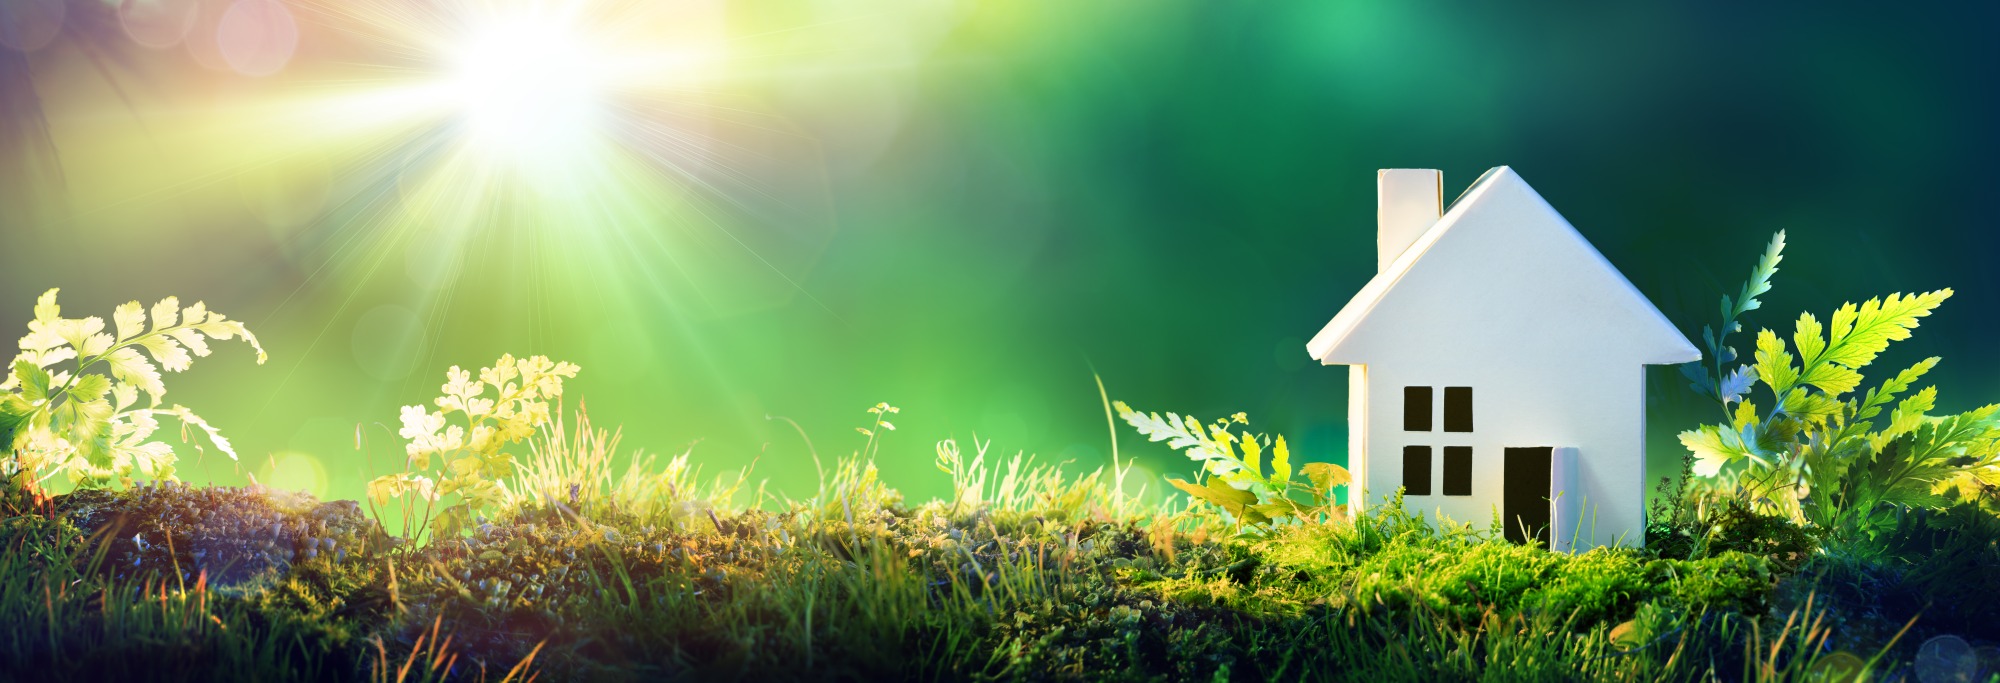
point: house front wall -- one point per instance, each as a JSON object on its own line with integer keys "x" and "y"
{"x": 1598, "y": 410}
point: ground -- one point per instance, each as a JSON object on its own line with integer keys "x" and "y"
{"x": 180, "y": 582}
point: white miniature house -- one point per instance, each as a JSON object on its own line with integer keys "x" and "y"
{"x": 1496, "y": 366}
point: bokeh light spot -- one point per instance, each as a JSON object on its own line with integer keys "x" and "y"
{"x": 157, "y": 23}
{"x": 30, "y": 25}
{"x": 257, "y": 37}
{"x": 293, "y": 471}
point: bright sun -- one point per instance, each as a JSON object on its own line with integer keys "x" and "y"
{"x": 560, "y": 98}
{"x": 527, "y": 89}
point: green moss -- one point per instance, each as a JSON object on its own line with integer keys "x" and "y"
{"x": 871, "y": 589}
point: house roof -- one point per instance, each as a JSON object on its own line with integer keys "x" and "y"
{"x": 1506, "y": 212}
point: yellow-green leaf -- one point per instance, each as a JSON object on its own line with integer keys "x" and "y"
{"x": 123, "y": 395}
{"x": 1281, "y": 509}
{"x": 168, "y": 352}
{"x": 130, "y": 319}
{"x": 1832, "y": 378}
{"x": 1745, "y": 418}
{"x": 78, "y": 332}
{"x": 128, "y": 366}
{"x": 1281, "y": 462}
{"x": 95, "y": 345}
{"x": 1218, "y": 493}
{"x": 191, "y": 338}
{"x": 166, "y": 313}
{"x": 1859, "y": 333}
{"x": 1811, "y": 407}
{"x": 46, "y": 310}
{"x": 34, "y": 381}
{"x": 89, "y": 387}
{"x": 1326, "y": 476}
{"x": 1774, "y": 363}
{"x": 1713, "y": 448}
{"x": 1253, "y": 453}
{"x": 195, "y": 314}
{"x": 1806, "y": 337}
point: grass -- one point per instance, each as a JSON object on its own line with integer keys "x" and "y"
{"x": 1027, "y": 573}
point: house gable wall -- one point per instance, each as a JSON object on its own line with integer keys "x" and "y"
{"x": 1601, "y": 413}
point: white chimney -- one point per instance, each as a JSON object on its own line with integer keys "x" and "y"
{"x": 1408, "y": 202}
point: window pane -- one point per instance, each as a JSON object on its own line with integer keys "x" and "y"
{"x": 1458, "y": 470}
{"x": 1458, "y": 409}
{"x": 1416, "y": 409}
{"x": 1416, "y": 470}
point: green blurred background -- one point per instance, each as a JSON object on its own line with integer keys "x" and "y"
{"x": 965, "y": 209}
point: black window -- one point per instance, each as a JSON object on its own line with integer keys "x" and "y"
{"x": 1457, "y": 409}
{"x": 1417, "y": 470}
{"x": 1416, "y": 409}
{"x": 1458, "y": 470}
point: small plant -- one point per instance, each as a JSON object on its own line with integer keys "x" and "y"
{"x": 472, "y": 459}
{"x": 874, "y": 431}
{"x": 80, "y": 421}
{"x": 1816, "y": 457}
{"x": 571, "y": 467}
{"x": 1711, "y": 377}
{"x": 1237, "y": 483}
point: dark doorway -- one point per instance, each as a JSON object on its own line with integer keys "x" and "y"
{"x": 1524, "y": 505}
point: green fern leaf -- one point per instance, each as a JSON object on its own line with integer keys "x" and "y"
{"x": 1714, "y": 448}
{"x": 1813, "y": 408}
{"x": 153, "y": 459}
{"x": 1872, "y": 404}
{"x": 1908, "y": 415}
{"x": 129, "y": 319}
{"x": 1325, "y": 476}
{"x": 169, "y": 353}
{"x": 192, "y": 339}
{"x": 1831, "y": 378}
{"x": 1736, "y": 384}
{"x": 1858, "y": 334}
{"x": 46, "y": 309}
{"x": 1281, "y": 464}
{"x": 188, "y": 417}
{"x": 1806, "y": 338}
{"x": 1760, "y": 277}
{"x": 86, "y": 424}
{"x": 128, "y": 366}
{"x": 89, "y": 387}
{"x": 1217, "y": 493}
{"x": 1253, "y": 458}
{"x": 1774, "y": 363}
{"x": 33, "y": 381}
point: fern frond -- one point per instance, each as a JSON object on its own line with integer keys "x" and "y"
{"x": 1774, "y": 364}
{"x": 1238, "y": 483}
{"x": 1858, "y": 334}
{"x": 1711, "y": 379}
{"x": 1871, "y": 405}
{"x": 1760, "y": 280}
{"x": 1715, "y": 448}
{"x": 82, "y": 418}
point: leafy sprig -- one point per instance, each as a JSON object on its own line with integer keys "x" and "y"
{"x": 1711, "y": 379}
{"x": 1817, "y": 454}
{"x": 1233, "y": 475}
{"x": 79, "y": 421}
{"x": 471, "y": 460}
